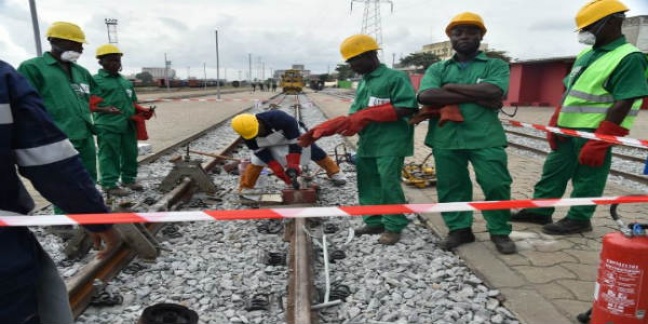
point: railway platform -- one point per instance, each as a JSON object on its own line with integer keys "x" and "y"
{"x": 551, "y": 278}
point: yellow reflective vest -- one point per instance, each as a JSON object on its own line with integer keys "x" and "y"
{"x": 586, "y": 102}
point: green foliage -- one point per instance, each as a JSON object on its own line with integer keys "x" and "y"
{"x": 344, "y": 71}
{"x": 419, "y": 60}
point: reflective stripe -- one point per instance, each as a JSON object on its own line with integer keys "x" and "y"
{"x": 591, "y": 97}
{"x": 5, "y": 114}
{"x": 45, "y": 154}
{"x": 593, "y": 110}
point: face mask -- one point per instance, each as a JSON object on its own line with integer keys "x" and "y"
{"x": 70, "y": 56}
{"x": 586, "y": 37}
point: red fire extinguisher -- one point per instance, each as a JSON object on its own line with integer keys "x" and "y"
{"x": 621, "y": 289}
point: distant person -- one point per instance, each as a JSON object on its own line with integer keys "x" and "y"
{"x": 378, "y": 115}
{"x": 116, "y": 130}
{"x": 604, "y": 94}
{"x": 254, "y": 86}
{"x": 272, "y": 137}
{"x": 274, "y": 86}
{"x": 261, "y": 86}
{"x": 31, "y": 289}
{"x": 462, "y": 96}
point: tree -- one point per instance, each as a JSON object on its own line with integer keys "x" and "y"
{"x": 421, "y": 61}
{"x": 344, "y": 71}
{"x": 498, "y": 54}
{"x": 146, "y": 77}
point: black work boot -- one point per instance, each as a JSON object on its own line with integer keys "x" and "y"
{"x": 524, "y": 216}
{"x": 369, "y": 230}
{"x": 456, "y": 238}
{"x": 568, "y": 226}
{"x": 504, "y": 244}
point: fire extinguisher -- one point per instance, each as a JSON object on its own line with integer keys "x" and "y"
{"x": 621, "y": 288}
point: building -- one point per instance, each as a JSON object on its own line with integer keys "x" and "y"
{"x": 540, "y": 82}
{"x": 158, "y": 73}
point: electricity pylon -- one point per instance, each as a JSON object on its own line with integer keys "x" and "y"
{"x": 371, "y": 24}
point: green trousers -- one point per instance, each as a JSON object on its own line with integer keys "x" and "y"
{"x": 117, "y": 157}
{"x": 454, "y": 185}
{"x": 561, "y": 166}
{"x": 379, "y": 183}
{"x": 88, "y": 154}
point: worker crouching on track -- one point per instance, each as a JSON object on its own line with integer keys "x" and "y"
{"x": 461, "y": 97}
{"x": 117, "y": 132}
{"x": 272, "y": 136}
{"x": 604, "y": 91}
{"x": 378, "y": 114}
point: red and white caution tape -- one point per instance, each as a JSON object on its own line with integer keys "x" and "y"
{"x": 570, "y": 132}
{"x": 277, "y": 213}
{"x": 196, "y": 100}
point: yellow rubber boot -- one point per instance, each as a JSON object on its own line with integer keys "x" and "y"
{"x": 332, "y": 171}
{"x": 250, "y": 176}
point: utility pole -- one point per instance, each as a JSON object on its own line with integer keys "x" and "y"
{"x": 34, "y": 18}
{"x": 218, "y": 96}
{"x": 204, "y": 76}
{"x": 371, "y": 22}
{"x": 250, "y": 67}
{"x": 167, "y": 63}
{"x": 111, "y": 26}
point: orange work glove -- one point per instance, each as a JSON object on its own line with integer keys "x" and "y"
{"x": 147, "y": 113}
{"x": 553, "y": 138}
{"x": 278, "y": 171}
{"x": 593, "y": 152}
{"x": 326, "y": 128}
{"x": 450, "y": 113}
{"x": 378, "y": 114}
{"x": 424, "y": 113}
{"x": 140, "y": 127}
{"x": 292, "y": 163}
{"x": 94, "y": 102}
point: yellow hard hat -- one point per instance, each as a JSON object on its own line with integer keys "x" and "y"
{"x": 66, "y": 30}
{"x": 108, "y": 49}
{"x": 356, "y": 45}
{"x": 596, "y": 10}
{"x": 246, "y": 125}
{"x": 466, "y": 18}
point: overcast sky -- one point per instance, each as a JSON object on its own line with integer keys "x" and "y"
{"x": 280, "y": 33}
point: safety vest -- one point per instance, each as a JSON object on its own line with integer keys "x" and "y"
{"x": 587, "y": 102}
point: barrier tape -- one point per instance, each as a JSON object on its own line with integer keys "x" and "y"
{"x": 570, "y": 132}
{"x": 194, "y": 100}
{"x": 278, "y": 213}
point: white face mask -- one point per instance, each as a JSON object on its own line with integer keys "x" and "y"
{"x": 586, "y": 37}
{"x": 70, "y": 56}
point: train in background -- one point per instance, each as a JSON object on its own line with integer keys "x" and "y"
{"x": 292, "y": 82}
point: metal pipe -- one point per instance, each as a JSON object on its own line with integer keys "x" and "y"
{"x": 34, "y": 18}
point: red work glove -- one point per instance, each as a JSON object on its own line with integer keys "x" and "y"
{"x": 450, "y": 113}
{"x": 360, "y": 119}
{"x": 292, "y": 163}
{"x": 553, "y": 138}
{"x": 147, "y": 113}
{"x": 94, "y": 102}
{"x": 326, "y": 128}
{"x": 593, "y": 152}
{"x": 140, "y": 127}
{"x": 424, "y": 113}
{"x": 278, "y": 171}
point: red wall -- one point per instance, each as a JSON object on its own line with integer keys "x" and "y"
{"x": 536, "y": 84}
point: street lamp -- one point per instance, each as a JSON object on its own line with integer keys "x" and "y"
{"x": 34, "y": 17}
{"x": 217, "y": 67}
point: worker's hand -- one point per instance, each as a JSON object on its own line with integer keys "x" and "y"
{"x": 424, "y": 113}
{"x": 292, "y": 164}
{"x": 278, "y": 171}
{"x": 450, "y": 113}
{"x": 553, "y": 138}
{"x": 110, "y": 110}
{"x": 306, "y": 139}
{"x": 106, "y": 242}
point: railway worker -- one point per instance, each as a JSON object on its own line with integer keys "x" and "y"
{"x": 117, "y": 132}
{"x": 462, "y": 97}
{"x": 604, "y": 91}
{"x": 379, "y": 116}
{"x": 66, "y": 89}
{"x": 272, "y": 136}
{"x": 253, "y": 86}
{"x": 274, "y": 86}
{"x": 31, "y": 289}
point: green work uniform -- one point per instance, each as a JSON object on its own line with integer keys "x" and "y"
{"x": 382, "y": 147}
{"x": 479, "y": 139}
{"x": 66, "y": 97}
{"x": 116, "y": 133}
{"x": 626, "y": 81}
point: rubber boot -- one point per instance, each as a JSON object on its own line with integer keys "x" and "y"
{"x": 332, "y": 171}
{"x": 250, "y": 176}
